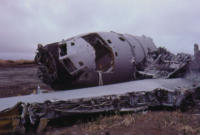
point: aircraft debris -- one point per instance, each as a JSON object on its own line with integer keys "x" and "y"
{"x": 161, "y": 79}
{"x": 92, "y": 59}
{"x": 102, "y": 58}
{"x": 36, "y": 116}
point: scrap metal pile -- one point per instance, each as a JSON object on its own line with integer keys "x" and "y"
{"x": 162, "y": 63}
{"x": 156, "y": 79}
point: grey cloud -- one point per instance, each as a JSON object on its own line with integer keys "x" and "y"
{"x": 24, "y": 23}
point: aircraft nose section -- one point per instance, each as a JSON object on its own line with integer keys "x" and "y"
{"x": 78, "y": 55}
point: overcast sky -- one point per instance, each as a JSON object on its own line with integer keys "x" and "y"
{"x": 174, "y": 24}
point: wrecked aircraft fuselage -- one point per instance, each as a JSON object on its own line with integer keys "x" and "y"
{"x": 107, "y": 57}
{"x": 93, "y": 59}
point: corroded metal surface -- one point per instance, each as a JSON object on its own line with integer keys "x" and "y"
{"x": 11, "y": 119}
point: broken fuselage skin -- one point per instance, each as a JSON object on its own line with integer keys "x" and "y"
{"x": 92, "y": 59}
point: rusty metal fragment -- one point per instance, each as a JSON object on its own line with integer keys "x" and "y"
{"x": 11, "y": 120}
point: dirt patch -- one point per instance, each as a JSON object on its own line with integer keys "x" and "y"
{"x": 19, "y": 79}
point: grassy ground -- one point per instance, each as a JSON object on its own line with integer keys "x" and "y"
{"x": 147, "y": 123}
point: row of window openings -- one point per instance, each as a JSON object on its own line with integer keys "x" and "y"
{"x": 63, "y": 49}
{"x": 121, "y": 38}
{"x": 109, "y": 41}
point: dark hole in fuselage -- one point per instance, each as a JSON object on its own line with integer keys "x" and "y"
{"x": 109, "y": 41}
{"x": 63, "y": 49}
{"x": 81, "y": 63}
{"x": 72, "y": 43}
{"x": 121, "y": 38}
{"x": 69, "y": 65}
{"x": 104, "y": 55}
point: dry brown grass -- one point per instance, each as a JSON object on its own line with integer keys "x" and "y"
{"x": 15, "y": 62}
{"x": 109, "y": 122}
{"x": 151, "y": 123}
{"x": 184, "y": 124}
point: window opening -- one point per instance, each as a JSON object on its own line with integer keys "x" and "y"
{"x": 104, "y": 55}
